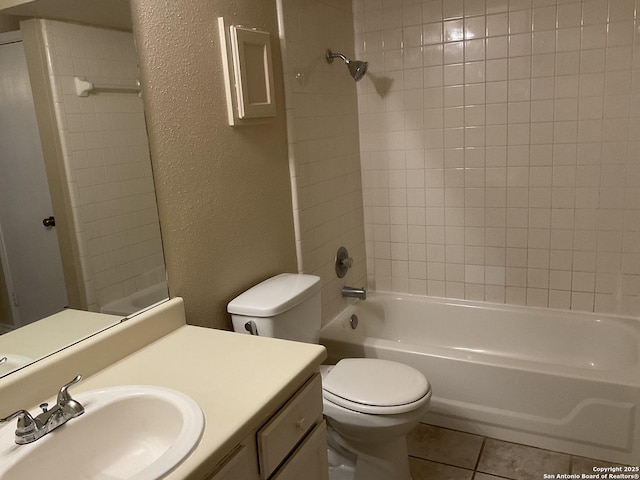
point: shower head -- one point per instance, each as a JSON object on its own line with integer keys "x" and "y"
{"x": 357, "y": 69}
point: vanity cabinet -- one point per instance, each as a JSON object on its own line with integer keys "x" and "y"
{"x": 240, "y": 464}
{"x": 291, "y": 445}
{"x": 309, "y": 461}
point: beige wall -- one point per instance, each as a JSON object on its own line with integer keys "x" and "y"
{"x": 224, "y": 195}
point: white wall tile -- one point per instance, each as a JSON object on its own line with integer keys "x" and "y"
{"x": 540, "y": 208}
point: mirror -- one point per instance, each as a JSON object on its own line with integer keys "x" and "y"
{"x": 82, "y": 228}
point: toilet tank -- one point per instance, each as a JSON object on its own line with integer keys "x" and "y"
{"x": 285, "y": 306}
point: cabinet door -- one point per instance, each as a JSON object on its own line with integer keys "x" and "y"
{"x": 239, "y": 465}
{"x": 289, "y": 426}
{"x": 309, "y": 461}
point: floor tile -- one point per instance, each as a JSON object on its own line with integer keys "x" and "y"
{"x": 520, "y": 462}
{"x": 584, "y": 465}
{"x": 486, "y": 476}
{"x": 445, "y": 446}
{"x": 426, "y": 470}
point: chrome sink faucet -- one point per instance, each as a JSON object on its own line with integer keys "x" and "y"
{"x": 30, "y": 429}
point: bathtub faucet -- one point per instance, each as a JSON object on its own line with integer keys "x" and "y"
{"x": 354, "y": 292}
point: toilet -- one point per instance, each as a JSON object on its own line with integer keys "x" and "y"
{"x": 370, "y": 404}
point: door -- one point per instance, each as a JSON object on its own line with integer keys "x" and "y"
{"x": 30, "y": 253}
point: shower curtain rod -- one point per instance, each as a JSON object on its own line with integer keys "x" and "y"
{"x": 84, "y": 87}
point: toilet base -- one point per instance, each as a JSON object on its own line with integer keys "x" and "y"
{"x": 353, "y": 460}
{"x": 341, "y": 473}
{"x": 342, "y": 465}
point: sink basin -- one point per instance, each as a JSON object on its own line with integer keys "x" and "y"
{"x": 12, "y": 362}
{"x": 133, "y": 432}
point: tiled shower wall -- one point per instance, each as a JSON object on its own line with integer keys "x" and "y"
{"x": 322, "y": 119}
{"x": 106, "y": 155}
{"x": 500, "y": 149}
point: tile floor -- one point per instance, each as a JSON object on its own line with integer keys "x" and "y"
{"x": 440, "y": 454}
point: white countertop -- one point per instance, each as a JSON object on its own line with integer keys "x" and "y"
{"x": 238, "y": 381}
{"x": 50, "y": 334}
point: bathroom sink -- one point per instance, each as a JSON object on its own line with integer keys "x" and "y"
{"x": 133, "y": 432}
{"x": 12, "y": 362}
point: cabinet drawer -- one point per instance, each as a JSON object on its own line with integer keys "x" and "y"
{"x": 285, "y": 430}
{"x": 309, "y": 461}
{"x": 237, "y": 466}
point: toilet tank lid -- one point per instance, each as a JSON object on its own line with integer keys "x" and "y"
{"x": 275, "y": 295}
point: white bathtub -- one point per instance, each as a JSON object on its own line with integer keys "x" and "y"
{"x": 137, "y": 300}
{"x": 554, "y": 379}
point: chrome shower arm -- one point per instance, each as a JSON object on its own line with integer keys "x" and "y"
{"x": 357, "y": 68}
{"x": 331, "y": 56}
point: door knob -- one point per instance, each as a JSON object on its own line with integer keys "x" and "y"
{"x": 49, "y": 222}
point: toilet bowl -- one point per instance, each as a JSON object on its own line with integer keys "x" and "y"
{"x": 366, "y": 398}
{"x": 370, "y": 404}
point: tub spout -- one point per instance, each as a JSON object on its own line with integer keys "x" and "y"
{"x": 354, "y": 292}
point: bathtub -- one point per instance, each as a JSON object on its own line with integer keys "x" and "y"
{"x": 137, "y": 300}
{"x": 553, "y": 379}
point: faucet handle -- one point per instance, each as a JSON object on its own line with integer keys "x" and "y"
{"x": 26, "y": 423}
{"x": 343, "y": 262}
{"x": 347, "y": 262}
{"x": 70, "y": 408}
{"x": 64, "y": 396}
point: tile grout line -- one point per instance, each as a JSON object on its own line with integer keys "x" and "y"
{"x": 442, "y": 463}
{"x": 475, "y": 468}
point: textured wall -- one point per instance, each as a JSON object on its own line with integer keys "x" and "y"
{"x": 500, "y": 150}
{"x": 322, "y": 114}
{"x": 224, "y": 193}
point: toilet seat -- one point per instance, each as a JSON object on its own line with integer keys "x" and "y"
{"x": 375, "y": 386}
